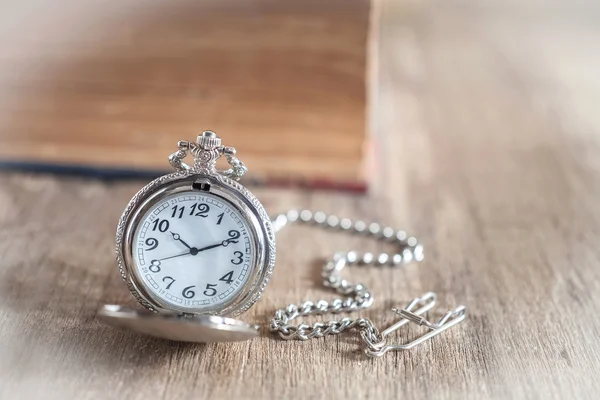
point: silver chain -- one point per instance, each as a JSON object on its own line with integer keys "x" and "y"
{"x": 357, "y": 296}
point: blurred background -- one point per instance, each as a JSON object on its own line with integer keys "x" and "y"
{"x": 109, "y": 87}
{"x": 472, "y": 124}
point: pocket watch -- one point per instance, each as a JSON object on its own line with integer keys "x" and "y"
{"x": 195, "y": 248}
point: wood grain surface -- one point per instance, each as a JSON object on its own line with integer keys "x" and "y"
{"x": 116, "y": 84}
{"x": 490, "y": 144}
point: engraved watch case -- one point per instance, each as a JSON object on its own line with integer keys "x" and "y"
{"x": 166, "y": 320}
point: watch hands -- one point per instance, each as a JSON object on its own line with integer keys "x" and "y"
{"x": 233, "y": 238}
{"x": 177, "y": 237}
{"x": 193, "y": 251}
{"x": 178, "y": 255}
{"x": 224, "y": 243}
{"x": 212, "y": 246}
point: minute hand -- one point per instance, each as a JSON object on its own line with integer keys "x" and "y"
{"x": 224, "y": 243}
{"x": 193, "y": 251}
{"x": 212, "y": 246}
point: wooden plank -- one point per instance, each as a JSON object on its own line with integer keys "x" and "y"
{"x": 113, "y": 85}
{"x": 490, "y": 141}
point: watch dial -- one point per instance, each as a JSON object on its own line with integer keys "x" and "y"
{"x": 193, "y": 251}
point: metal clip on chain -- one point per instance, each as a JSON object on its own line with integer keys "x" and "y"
{"x": 358, "y": 296}
{"x": 206, "y": 151}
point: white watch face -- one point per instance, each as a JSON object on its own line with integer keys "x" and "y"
{"x": 194, "y": 251}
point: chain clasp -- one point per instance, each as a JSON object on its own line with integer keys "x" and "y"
{"x": 426, "y": 303}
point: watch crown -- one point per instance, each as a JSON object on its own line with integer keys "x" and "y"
{"x": 209, "y": 140}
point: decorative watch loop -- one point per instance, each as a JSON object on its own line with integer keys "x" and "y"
{"x": 206, "y": 151}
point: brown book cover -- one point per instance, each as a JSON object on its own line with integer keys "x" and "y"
{"x": 109, "y": 89}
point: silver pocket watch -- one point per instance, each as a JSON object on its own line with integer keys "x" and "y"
{"x": 195, "y": 248}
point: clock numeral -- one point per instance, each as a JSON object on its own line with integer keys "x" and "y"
{"x": 161, "y": 225}
{"x": 239, "y": 258}
{"x": 188, "y": 293}
{"x": 154, "y": 266}
{"x": 200, "y": 210}
{"x": 220, "y": 216}
{"x": 175, "y": 209}
{"x": 172, "y": 280}
{"x": 152, "y": 242}
{"x": 227, "y": 278}
{"x": 210, "y": 289}
{"x": 233, "y": 237}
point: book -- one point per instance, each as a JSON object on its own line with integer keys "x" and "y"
{"x": 113, "y": 90}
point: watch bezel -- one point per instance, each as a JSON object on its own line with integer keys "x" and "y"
{"x": 234, "y": 193}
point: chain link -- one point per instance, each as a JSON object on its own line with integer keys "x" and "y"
{"x": 357, "y": 296}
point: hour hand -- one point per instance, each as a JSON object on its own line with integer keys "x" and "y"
{"x": 178, "y": 238}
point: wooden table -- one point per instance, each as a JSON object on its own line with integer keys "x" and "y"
{"x": 490, "y": 136}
